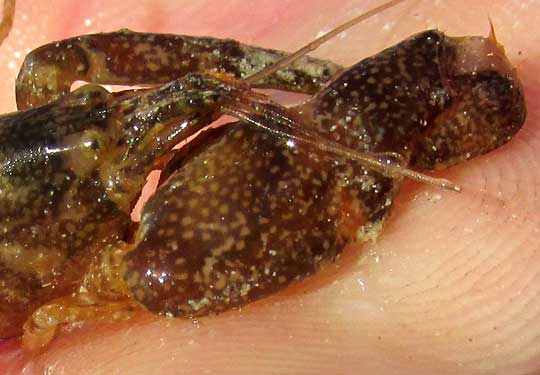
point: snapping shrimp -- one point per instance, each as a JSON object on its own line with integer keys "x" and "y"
{"x": 243, "y": 210}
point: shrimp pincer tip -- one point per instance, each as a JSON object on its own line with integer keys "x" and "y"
{"x": 492, "y": 35}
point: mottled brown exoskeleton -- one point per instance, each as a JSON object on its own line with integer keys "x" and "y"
{"x": 244, "y": 209}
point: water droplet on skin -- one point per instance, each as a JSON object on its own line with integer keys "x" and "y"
{"x": 362, "y": 284}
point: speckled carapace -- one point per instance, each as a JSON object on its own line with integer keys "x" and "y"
{"x": 241, "y": 211}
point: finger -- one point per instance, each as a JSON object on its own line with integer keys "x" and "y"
{"x": 449, "y": 288}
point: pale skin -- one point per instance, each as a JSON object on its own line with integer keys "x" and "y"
{"x": 451, "y": 285}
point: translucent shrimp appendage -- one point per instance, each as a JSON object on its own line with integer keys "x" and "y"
{"x": 286, "y": 61}
{"x": 8, "y": 11}
{"x": 45, "y": 322}
{"x": 273, "y": 118}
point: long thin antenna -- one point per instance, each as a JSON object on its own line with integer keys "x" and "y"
{"x": 271, "y": 69}
{"x": 8, "y": 12}
{"x": 378, "y": 162}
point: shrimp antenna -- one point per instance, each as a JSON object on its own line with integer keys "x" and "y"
{"x": 8, "y": 11}
{"x": 271, "y": 69}
{"x": 287, "y": 128}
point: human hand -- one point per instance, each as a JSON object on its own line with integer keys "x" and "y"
{"x": 449, "y": 288}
